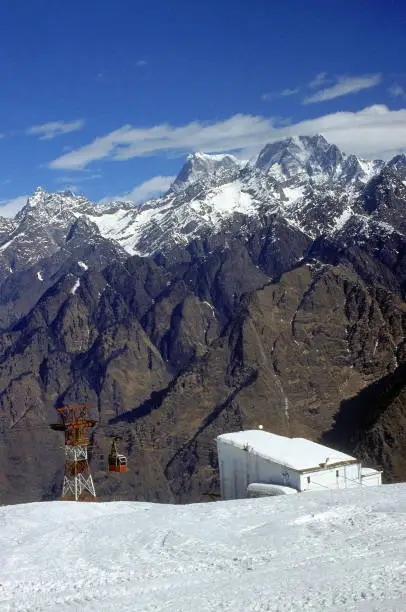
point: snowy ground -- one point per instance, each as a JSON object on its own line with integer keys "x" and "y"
{"x": 338, "y": 550}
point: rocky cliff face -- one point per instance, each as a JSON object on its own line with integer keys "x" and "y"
{"x": 267, "y": 293}
{"x": 373, "y": 424}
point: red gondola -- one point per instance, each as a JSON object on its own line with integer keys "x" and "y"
{"x": 117, "y": 462}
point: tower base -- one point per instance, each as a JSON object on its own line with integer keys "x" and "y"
{"x": 78, "y": 482}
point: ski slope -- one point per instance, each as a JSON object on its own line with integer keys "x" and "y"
{"x": 335, "y": 550}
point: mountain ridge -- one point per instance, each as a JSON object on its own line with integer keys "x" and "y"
{"x": 210, "y": 189}
{"x": 235, "y": 300}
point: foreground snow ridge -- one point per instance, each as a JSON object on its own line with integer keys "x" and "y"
{"x": 336, "y": 550}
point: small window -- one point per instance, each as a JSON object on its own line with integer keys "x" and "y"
{"x": 337, "y": 473}
{"x": 308, "y": 479}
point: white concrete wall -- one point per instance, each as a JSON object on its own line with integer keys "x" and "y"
{"x": 239, "y": 468}
{"x": 372, "y": 479}
{"x": 342, "y": 477}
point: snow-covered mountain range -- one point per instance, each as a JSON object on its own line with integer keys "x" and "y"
{"x": 296, "y": 190}
{"x": 305, "y": 181}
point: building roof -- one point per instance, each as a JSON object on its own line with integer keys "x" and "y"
{"x": 295, "y": 453}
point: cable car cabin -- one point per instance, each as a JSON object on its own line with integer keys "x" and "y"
{"x": 117, "y": 462}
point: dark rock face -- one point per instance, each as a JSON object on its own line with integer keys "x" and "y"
{"x": 80, "y": 249}
{"x": 285, "y": 318}
{"x": 385, "y": 197}
{"x": 168, "y": 375}
{"x": 373, "y": 425}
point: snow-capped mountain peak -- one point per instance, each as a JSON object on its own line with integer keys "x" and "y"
{"x": 303, "y": 158}
{"x": 305, "y": 180}
{"x": 37, "y": 196}
{"x": 59, "y": 205}
{"x": 299, "y": 155}
{"x": 202, "y": 167}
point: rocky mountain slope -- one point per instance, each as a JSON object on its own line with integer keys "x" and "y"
{"x": 267, "y": 292}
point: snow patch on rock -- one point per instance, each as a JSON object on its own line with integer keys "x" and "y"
{"x": 75, "y": 286}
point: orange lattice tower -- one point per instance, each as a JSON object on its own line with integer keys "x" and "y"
{"x": 78, "y": 482}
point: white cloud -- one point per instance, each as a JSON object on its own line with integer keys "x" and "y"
{"x": 344, "y": 86}
{"x": 375, "y": 130}
{"x": 319, "y": 80}
{"x": 78, "y": 179}
{"x": 48, "y": 131}
{"x": 151, "y": 188}
{"x": 281, "y": 94}
{"x": 9, "y": 208}
{"x": 127, "y": 142}
{"x": 289, "y": 92}
{"x": 98, "y": 149}
{"x": 397, "y": 91}
{"x": 141, "y": 63}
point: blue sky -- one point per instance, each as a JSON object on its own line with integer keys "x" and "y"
{"x": 108, "y": 97}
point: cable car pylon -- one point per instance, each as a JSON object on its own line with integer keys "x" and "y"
{"x": 78, "y": 482}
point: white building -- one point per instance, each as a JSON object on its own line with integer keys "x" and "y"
{"x": 250, "y": 460}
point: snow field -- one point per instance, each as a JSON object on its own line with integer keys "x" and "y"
{"x": 336, "y": 550}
